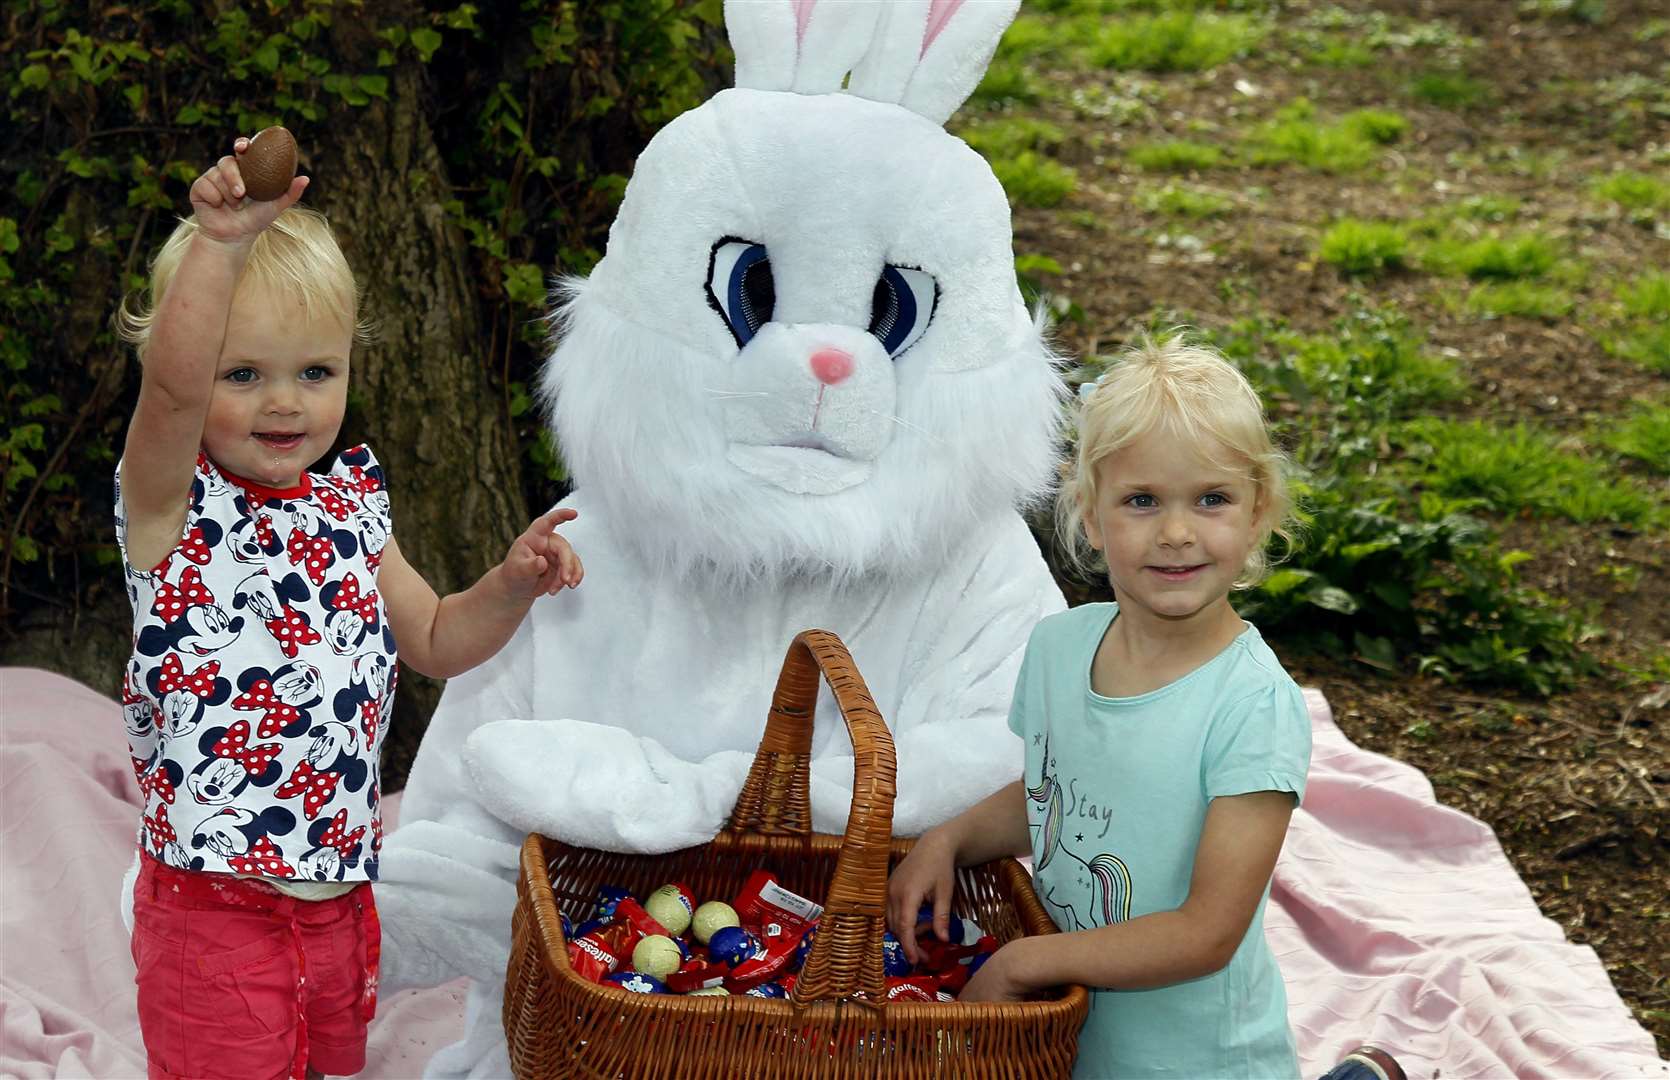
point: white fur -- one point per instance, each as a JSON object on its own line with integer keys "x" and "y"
{"x": 728, "y": 498}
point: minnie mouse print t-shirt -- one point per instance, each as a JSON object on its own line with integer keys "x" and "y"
{"x": 262, "y": 676}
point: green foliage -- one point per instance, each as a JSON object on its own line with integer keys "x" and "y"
{"x": 1030, "y": 179}
{"x": 1519, "y": 468}
{"x": 1007, "y": 80}
{"x": 112, "y": 111}
{"x": 1377, "y": 583}
{"x": 1448, "y": 89}
{"x": 1526, "y": 299}
{"x": 1643, "y": 436}
{"x": 1648, "y": 297}
{"x": 1501, "y": 258}
{"x": 1178, "y": 157}
{"x": 1364, "y": 247}
{"x": 1179, "y": 200}
{"x": 1636, "y": 192}
{"x": 1591, "y": 12}
{"x": 1180, "y": 40}
{"x": 1008, "y": 137}
{"x": 1348, "y": 144}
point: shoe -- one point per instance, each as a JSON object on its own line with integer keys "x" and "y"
{"x": 1366, "y": 1063}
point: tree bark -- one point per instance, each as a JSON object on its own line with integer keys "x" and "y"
{"x": 421, "y": 395}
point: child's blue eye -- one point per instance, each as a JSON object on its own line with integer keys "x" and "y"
{"x": 1142, "y": 502}
{"x": 740, "y": 286}
{"x": 241, "y": 375}
{"x": 1214, "y": 499}
{"x": 316, "y": 373}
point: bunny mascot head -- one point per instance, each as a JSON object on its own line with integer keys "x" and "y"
{"x": 805, "y": 349}
{"x": 801, "y": 389}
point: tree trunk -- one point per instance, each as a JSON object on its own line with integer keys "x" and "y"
{"x": 427, "y": 406}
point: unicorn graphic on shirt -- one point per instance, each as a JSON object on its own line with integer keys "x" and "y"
{"x": 1106, "y": 873}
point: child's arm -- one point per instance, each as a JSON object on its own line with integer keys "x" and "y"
{"x": 1238, "y": 847}
{"x": 990, "y": 829}
{"x": 178, "y": 373}
{"x": 443, "y": 637}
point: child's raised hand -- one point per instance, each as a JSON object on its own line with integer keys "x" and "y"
{"x": 224, "y": 213}
{"x": 541, "y": 560}
{"x": 927, "y": 875}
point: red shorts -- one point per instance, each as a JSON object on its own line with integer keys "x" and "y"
{"x": 238, "y": 981}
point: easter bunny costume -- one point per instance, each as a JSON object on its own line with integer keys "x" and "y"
{"x": 800, "y": 389}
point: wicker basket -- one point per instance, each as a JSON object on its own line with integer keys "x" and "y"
{"x": 837, "y": 1023}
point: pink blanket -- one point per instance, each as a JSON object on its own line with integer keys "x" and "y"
{"x": 1396, "y": 921}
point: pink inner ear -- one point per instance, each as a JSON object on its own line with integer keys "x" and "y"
{"x": 939, "y": 13}
{"x": 802, "y": 16}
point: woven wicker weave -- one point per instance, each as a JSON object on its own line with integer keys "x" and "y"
{"x": 838, "y": 1022}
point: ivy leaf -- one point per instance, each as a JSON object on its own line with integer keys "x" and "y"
{"x": 425, "y": 41}
{"x": 375, "y": 85}
{"x": 1332, "y": 598}
{"x": 524, "y": 284}
{"x": 35, "y": 77}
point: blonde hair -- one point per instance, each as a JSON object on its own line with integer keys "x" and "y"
{"x": 1193, "y": 393}
{"x": 296, "y": 257}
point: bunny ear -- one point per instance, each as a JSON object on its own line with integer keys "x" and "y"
{"x": 800, "y": 45}
{"x": 929, "y": 55}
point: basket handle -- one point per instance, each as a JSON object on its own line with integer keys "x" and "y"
{"x": 846, "y": 960}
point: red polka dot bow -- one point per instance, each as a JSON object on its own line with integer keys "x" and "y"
{"x": 371, "y": 713}
{"x": 235, "y": 745}
{"x": 199, "y": 683}
{"x": 348, "y": 598}
{"x": 161, "y": 832}
{"x": 172, "y": 601}
{"x": 154, "y": 781}
{"x": 363, "y": 482}
{"x": 338, "y": 836}
{"x": 262, "y": 858}
{"x": 276, "y": 714}
{"x": 316, "y": 553}
{"x": 264, "y": 530}
{"x": 316, "y": 788}
{"x": 292, "y": 631}
{"x": 195, "y": 547}
{"x": 334, "y": 503}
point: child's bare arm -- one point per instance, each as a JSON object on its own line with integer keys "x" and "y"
{"x": 990, "y": 829}
{"x": 446, "y": 636}
{"x": 1239, "y": 844}
{"x": 178, "y": 372}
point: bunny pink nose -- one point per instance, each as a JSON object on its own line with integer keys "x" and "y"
{"x": 831, "y": 365}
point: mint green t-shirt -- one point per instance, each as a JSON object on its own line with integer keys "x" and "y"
{"x": 1117, "y": 790}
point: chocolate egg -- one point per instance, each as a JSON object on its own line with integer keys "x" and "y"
{"x": 269, "y": 164}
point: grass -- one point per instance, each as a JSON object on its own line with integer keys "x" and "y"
{"x": 1183, "y": 40}
{"x": 1030, "y": 179}
{"x": 1448, "y": 89}
{"x": 1493, "y": 208}
{"x": 1348, "y": 144}
{"x": 1648, "y": 297}
{"x": 1645, "y": 336}
{"x": 1364, "y": 247}
{"x": 1522, "y": 468}
{"x": 1178, "y": 200}
{"x": 1526, "y": 299}
{"x": 1176, "y": 157}
{"x": 1647, "y": 345}
{"x": 1643, "y": 436}
{"x": 1008, "y": 138}
{"x": 1008, "y": 80}
{"x": 1635, "y": 192}
{"x": 1492, "y": 258}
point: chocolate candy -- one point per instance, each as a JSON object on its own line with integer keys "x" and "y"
{"x": 608, "y": 896}
{"x": 732, "y": 945}
{"x": 803, "y": 950}
{"x": 697, "y": 975}
{"x": 763, "y": 901}
{"x": 637, "y": 982}
{"x": 656, "y": 955}
{"x": 672, "y": 906}
{"x": 894, "y": 962}
{"x": 268, "y": 164}
{"x": 768, "y": 990}
{"x": 912, "y": 988}
{"x": 597, "y": 954}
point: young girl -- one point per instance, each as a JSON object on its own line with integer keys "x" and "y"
{"x": 1165, "y": 746}
{"x": 267, "y": 605}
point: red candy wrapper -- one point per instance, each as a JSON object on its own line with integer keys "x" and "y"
{"x": 773, "y": 960}
{"x": 913, "y": 988}
{"x": 599, "y": 953}
{"x": 643, "y": 924}
{"x": 762, "y": 902}
{"x": 695, "y": 975}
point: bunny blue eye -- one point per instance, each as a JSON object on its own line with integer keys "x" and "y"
{"x": 902, "y": 307}
{"x": 740, "y": 285}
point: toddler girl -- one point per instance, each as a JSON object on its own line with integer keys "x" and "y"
{"x": 268, "y": 601}
{"x": 1165, "y": 746}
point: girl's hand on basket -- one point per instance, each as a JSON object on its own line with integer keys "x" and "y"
{"x": 996, "y": 980}
{"x": 928, "y": 874}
